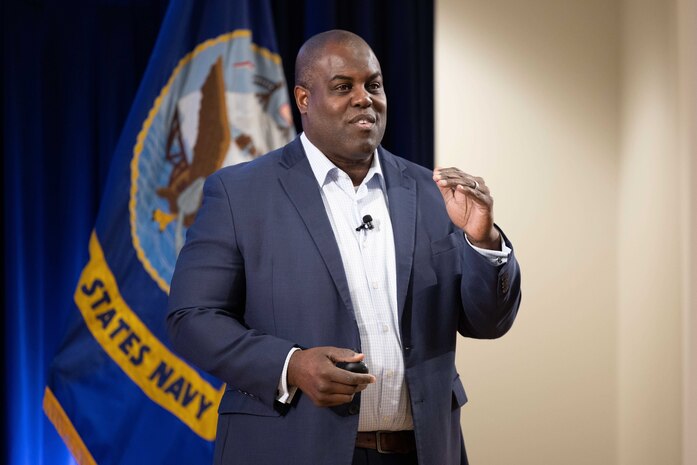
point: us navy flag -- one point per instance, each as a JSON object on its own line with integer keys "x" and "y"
{"x": 213, "y": 94}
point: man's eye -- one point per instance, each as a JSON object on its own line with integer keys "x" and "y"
{"x": 343, "y": 87}
{"x": 374, "y": 86}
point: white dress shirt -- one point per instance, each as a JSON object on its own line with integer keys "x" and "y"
{"x": 368, "y": 256}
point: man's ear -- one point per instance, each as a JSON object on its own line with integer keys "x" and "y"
{"x": 301, "y": 96}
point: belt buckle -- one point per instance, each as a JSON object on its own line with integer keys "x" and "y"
{"x": 378, "y": 434}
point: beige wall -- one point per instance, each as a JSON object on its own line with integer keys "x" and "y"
{"x": 650, "y": 278}
{"x": 569, "y": 110}
{"x": 687, "y": 104}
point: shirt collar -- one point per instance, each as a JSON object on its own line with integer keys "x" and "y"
{"x": 322, "y": 167}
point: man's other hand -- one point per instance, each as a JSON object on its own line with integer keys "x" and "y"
{"x": 314, "y": 372}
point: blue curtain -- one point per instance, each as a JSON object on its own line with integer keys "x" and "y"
{"x": 70, "y": 72}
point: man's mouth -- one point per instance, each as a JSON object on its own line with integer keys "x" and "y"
{"x": 363, "y": 121}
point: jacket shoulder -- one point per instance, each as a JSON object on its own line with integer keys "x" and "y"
{"x": 261, "y": 169}
{"x": 413, "y": 169}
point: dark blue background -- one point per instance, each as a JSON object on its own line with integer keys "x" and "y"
{"x": 70, "y": 73}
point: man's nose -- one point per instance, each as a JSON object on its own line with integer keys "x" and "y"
{"x": 362, "y": 98}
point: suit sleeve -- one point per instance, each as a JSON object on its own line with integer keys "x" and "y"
{"x": 490, "y": 294}
{"x": 205, "y": 322}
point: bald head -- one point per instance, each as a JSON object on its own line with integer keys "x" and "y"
{"x": 313, "y": 49}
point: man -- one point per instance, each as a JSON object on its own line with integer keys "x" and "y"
{"x": 329, "y": 250}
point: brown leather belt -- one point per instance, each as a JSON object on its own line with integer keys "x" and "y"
{"x": 387, "y": 442}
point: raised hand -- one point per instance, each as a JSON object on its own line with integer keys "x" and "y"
{"x": 469, "y": 205}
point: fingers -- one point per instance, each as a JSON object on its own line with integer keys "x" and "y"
{"x": 330, "y": 393}
{"x": 341, "y": 376}
{"x": 340, "y": 387}
{"x": 345, "y": 376}
{"x": 454, "y": 178}
{"x": 336, "y": 354}
{"x": 330, "y": 387}
{"x": 453, "y": 181}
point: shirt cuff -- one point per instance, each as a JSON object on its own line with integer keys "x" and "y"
{"x": 495, "y": 257}
{"x": 284, "y": 393}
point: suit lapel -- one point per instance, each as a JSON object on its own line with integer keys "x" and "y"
{"x": 301, "y": 187}
{"x": 401, "y": 192}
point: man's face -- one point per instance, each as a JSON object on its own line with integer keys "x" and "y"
{"x": 344, "y": 107}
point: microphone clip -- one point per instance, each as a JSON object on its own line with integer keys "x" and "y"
{"x": 367, "y": 223}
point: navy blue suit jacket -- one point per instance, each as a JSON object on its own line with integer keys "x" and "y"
{"x": 261, "y": 273}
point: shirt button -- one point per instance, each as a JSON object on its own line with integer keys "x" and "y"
{"x": 389, "y": 373}
{"x": 385, "y": 328}
{"x": 375, "y": 285}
